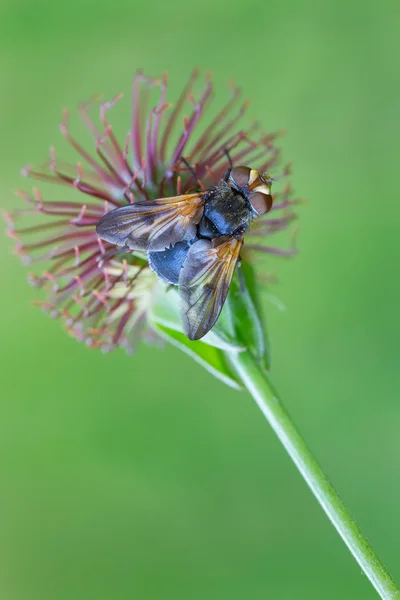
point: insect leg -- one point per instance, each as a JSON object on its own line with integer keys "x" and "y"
{"x": 112, "y": 253}
{"x": 242, "y": 281}
{"x": 189, "y": 166}
{"x": 228, "y": 156}
{"x": 228, "y": 172}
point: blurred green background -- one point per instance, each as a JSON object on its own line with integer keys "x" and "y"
{"x": 145, "y": 477}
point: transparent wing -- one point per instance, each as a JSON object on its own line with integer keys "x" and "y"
{"x": 153, "y": 224}
{"x": 204, "y": 282}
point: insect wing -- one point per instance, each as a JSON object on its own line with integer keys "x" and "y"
{"x": 204, "y": 282}
{"x": 152, "y": 224}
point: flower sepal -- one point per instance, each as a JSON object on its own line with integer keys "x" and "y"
{"x": 211, "y": 358}
{"x": 246, "y": 315}
{"x": 165, "y": 312}
{"x": 240, "y": 327}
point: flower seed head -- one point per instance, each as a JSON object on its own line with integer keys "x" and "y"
{"x": 102, "y": 295}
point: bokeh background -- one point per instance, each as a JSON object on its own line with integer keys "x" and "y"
{"x": 145, "y": 477}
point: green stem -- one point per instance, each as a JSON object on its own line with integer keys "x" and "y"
{"x": 263, "y": 393}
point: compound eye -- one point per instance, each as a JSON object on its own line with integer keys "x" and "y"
{"x": 240, "y": 176}
{"x": 261, "y": 203}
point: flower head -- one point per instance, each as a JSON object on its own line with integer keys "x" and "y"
{"x": 103, "y": 297}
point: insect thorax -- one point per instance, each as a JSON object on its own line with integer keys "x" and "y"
{"x": 227, "y": 209}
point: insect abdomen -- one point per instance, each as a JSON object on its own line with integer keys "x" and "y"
{"x": 168, "y": 263}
